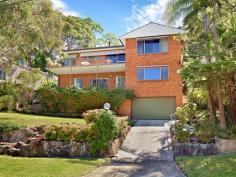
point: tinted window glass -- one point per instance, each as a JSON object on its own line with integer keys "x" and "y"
{"x": 120, "y": 82}
{"x": 140, "y": 47}
{"x": 99, "y": 83}
{"x": 156, "y": 46}
{"x": 121, "y": 58}
{"x": 140, "y": 74}
{"x": 152, "y": 46}
{"x": 152, "y": 74}
{"x": 164, "y": 73}
{"x": 149, "y": 46}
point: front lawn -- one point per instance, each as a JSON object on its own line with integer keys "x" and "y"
{"x": 209, "y": 166}
{"x": 34, "y": 120}
{"x": 46, "y": 167}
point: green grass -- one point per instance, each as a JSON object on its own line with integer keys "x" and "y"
{"x": 209, "y": 166}
{"x": 33, "y": 120}
{"x": 46, "y": 167}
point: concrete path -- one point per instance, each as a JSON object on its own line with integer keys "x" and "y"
{"x": 145, "y": 152}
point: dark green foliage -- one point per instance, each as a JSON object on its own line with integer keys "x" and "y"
{"x": 99, "y": 133}
{"x": 40, "y": 60}
{"x": 72, "y": 100}
{"x": 131, "y": 122}
{"x": 7, "y": 88}
{"x": 193, "y": 122}
{"x": 83, "y": 135}
{"x": 7, "y": 127}
{"x": 105, "y": 130}
{"x": 7, "y": 96}
{"x": 7, "y": 103}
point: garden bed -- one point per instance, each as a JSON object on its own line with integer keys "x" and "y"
{"x": 102, "y": 136}
{"x": 40, "y": 147}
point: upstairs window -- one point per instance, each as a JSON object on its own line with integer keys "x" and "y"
{"x": 152, "y": 46}
{"x": 153, "y": 73}
{"x": 69, "y": 62}
{"x": 78, "y": 83}
{"x": 117, "y": 58}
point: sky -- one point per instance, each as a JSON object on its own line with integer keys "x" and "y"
{"x": 116, "y": 16}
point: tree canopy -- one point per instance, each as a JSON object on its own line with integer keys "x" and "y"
{"x": 210, "y": 60}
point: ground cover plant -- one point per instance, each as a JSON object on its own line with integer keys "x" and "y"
{"x": 210, "y": 166}
{"x": 35, "y": 120}
{"x": 44, "y": 167}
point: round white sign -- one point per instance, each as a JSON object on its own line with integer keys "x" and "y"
{"x": 106, "y": 106}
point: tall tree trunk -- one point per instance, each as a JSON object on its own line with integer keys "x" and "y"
{"x": 230, "y": 82}
{"x": 211, "y": 104}
{"x": 219, "y": 93}
{"x": 208, "y": 57}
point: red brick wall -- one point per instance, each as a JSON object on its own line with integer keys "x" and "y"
{"x": 64, "y": 80}
{"x": 171, "y": 87}
{"x": 125, "y": 109}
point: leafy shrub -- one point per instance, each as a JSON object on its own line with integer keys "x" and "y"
{"x": 83, "y": 135}
{"x": 105, "y": 129}
{"x": 72, "y": 100}
{"x": 7, "y": 88}
{"x": 7, "y": 103}
{"x": 131, "y": 122}
{"x": 122, "y": 123}
{"x": 181, "y": 133}
{"x": 91, "y": 116}
{"x": 7, "y": 127}
{"x": 198, "y": 96}
{"x": 187, "y": 113}
{"x": 62, "y": 133}
{"x": 51, "y": 133}
{"x": 230, "y": 133}
{"x": 67, "y": 133}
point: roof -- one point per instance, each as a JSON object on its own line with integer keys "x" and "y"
{"x": 152, "y": 29}
{"x": 94, "y": 49}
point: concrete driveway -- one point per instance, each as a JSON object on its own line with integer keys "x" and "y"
{"x": 145, "y": 152}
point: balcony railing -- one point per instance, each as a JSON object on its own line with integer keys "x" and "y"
{"x": 94, "y": 60}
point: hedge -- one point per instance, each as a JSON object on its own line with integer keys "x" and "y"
{"x": 72, "y": 100}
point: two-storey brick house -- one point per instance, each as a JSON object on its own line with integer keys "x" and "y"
{"x": 147, "y": 62}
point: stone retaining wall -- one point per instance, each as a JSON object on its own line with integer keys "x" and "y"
{"x": 39, "y": 147}
{"x": 197, "y": 149}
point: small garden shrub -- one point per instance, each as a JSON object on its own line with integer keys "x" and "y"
{"x": 83, "y": 135}
{"x": 61, "y": 133}
{"x": 122, "y": 123}
{"x": 193, "y": 123}
{"x": 131, "y": 122}
{"x": 7, "y": 127}
{"x": 105, "y": 129}
{"x": 7, "y": 103}
{"x": 91, "y": 116}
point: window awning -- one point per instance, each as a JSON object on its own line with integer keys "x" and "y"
{"x": 100, "y": 53}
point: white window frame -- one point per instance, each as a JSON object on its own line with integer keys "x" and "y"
{"x": 117, "y": 80}
{"x": 151, "y": 38}
{"x": 153, "y": 66}
{"x": 76, "y": 82}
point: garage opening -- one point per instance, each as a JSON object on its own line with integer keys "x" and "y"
{"x": 153, "y": 108}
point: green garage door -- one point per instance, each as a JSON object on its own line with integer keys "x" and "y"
{"x": 153, "y": 108}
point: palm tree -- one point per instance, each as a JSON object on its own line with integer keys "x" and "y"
{"x": 190, "y": 10}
